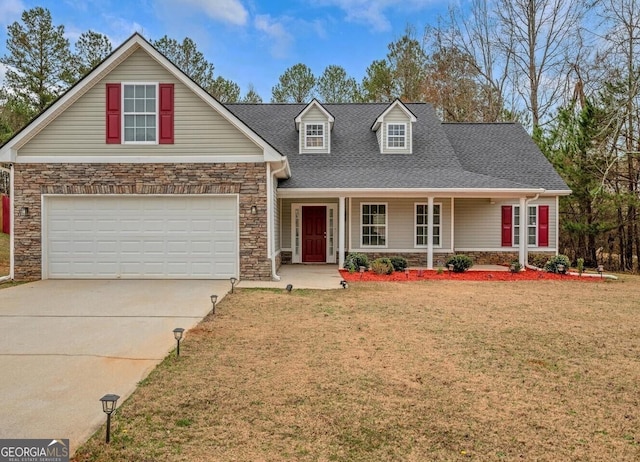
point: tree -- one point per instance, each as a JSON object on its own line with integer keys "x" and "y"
{"x": 408, "y": 61}
{"x": 38, "y": 61}
{"x": 188, "y": 59}
{"x": 91, "y": 49}
{"x": 334, "y": 86}
{"x": 224, "y": 90}
{"x": 539, "y": 37}
{"x": 252, "y": 97}
{"x": 378, "y": 84}
{"x": 296, "y": 85}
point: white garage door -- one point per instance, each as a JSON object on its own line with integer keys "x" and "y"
{"x": 140, "y": 237}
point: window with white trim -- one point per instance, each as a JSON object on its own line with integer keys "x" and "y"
{"x": 396, "y": 136}
{"x": 374, "y": 225}
{"x": 422, "y": 225}
{"x": 140, "y": 113}
{"x": 532, "y": 225}
{"x": 314, "y": 136}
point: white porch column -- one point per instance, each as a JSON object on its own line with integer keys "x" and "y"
{"x": 430, "y": 232}
{"x": 341, "y": 231}
{"x": 524, "y": 217}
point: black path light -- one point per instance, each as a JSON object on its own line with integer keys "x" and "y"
{"x": 289, "y": 287}
{"x": 344, "y": 284}
{"x": 214, "y": 300}
{"x": 600, "y": 270}
{"x": 233, "y": 282}
{"x": 561, "y": 269}
{"x": 108, "y": 407}
{"x": 177, "y": 334}
{"x": 362, "y": 270}
{"x": 450, "y": 267}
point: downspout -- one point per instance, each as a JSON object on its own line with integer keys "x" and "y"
{"x": 270, "y": 244}
{"x": 523, "y": 215}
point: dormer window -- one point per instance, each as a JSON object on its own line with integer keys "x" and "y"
{"x": 314, "y": 136}
{"x": 396, "y": 136}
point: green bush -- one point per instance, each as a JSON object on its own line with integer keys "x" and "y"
{"x": 516, "y": 266}
{"x": 382, "y": 266}
{"x": 461, "y": 263}
{"x": 399, "y": 263}
{"x": 354, "y": 261}
{"x": 580, "y": 266}
{"x": 552, "y": 265}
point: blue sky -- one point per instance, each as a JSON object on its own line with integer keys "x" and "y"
{"x": 248, "y": 41}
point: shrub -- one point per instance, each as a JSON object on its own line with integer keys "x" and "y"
{"x": 461, "y": 263}
{"x": 382, "y": 266}
{"x": 580, "y": 266}
{"x": 516, "y": 266}
{"x": 552, "y": 265}
{"x": 355, "y": 260}
{"x": 399, "y": 263}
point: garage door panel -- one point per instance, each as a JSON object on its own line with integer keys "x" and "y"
{"x": 141, "y": 237}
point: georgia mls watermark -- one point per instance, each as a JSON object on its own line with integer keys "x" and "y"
{"x": 20, "y": 450}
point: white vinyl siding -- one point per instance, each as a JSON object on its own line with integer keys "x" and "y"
{"x": 133, "y": 237}
{"x": 389, "y": 141}
{"x": 478, "y": 223}
{"x": 198, "y": 128}
{"x": 422, "y": 225}
{"x": 315, "y": 120}
{"x": 401, "y": 224}
{"x": 373, "y": 225}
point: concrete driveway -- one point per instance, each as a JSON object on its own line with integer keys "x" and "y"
{"x": 65, "y": 344}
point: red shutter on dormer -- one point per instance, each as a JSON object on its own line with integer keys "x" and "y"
{"x": 166, "y": 113}
{"x": 113, "y": 113}
{"x": 543, "y": 226}
{"x": 507, "y": 226}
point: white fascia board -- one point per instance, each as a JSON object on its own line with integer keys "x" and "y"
{"x": 316, "y": 103}
{"x": 397, "y": 102}
{"x": 559, "y": 192}
{"x": 407, "y": 192}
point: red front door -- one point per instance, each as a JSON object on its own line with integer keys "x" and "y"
{"x": 314, "y": 234}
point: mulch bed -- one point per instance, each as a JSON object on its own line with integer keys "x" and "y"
{"x": 420, "y": 275}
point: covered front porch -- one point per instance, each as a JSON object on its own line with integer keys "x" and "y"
{"x": 323, "y": 229}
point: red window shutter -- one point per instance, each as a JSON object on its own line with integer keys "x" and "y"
{"x": 543, "y": 226}
{"x": 166, "y": 113}
{"x": 113, "y": 113}
{"x": 507, "y": 226}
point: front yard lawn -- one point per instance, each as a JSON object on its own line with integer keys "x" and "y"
{"x": 426, "y": 371}
{"x": 4, "y": 254}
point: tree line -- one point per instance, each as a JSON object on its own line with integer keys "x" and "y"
{"x": 566, "y": 69}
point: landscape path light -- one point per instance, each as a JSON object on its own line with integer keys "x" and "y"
{"x": 600, "y": 270}
{"x": 108, "y": 407}
{"x": 233, "y": 282}
{"x": 214, "y": 300}
{"x": 177, "y": 334}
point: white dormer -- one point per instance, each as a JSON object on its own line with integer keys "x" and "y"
{"x": 394, "y": 129}
{"x": 314, "y": 125}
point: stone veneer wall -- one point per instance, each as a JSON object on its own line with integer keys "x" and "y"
{"x": 248, "y": 180}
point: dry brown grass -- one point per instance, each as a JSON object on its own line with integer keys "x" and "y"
{"x": 397, "y": 371}
{"x": 4, "y": 254}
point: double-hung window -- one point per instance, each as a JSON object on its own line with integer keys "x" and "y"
{"x": 396, "y": 136}
{"x": 314, "y": 136}
{"x": 422, "y": 225}
{"x": 374, "y": 225}
{"x": 140, "y": 113}
{"x": 531, "y": 222}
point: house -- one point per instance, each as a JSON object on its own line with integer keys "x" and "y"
{"x": 136, "y": 172}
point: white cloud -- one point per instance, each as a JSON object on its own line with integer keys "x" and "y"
{"x": 276, "y": 33}
{"x": 10, "y": 10}
{"x": 3, "y": 73}
{"x": 373, "y": 12}
{"x": 231, "y": 11}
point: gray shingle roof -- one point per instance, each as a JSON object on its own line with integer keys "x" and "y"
{"x": 444, "y": 155}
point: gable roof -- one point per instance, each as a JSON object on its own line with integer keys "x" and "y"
{"x": 397, "y": 103}
{"x": 314, "y": 103}
{"x": 445, "y": 157}
{"x": 135, "y": 42}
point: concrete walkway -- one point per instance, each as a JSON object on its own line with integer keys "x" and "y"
{"x": 65, "y": 344}
{"x": 301, "y": 277}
